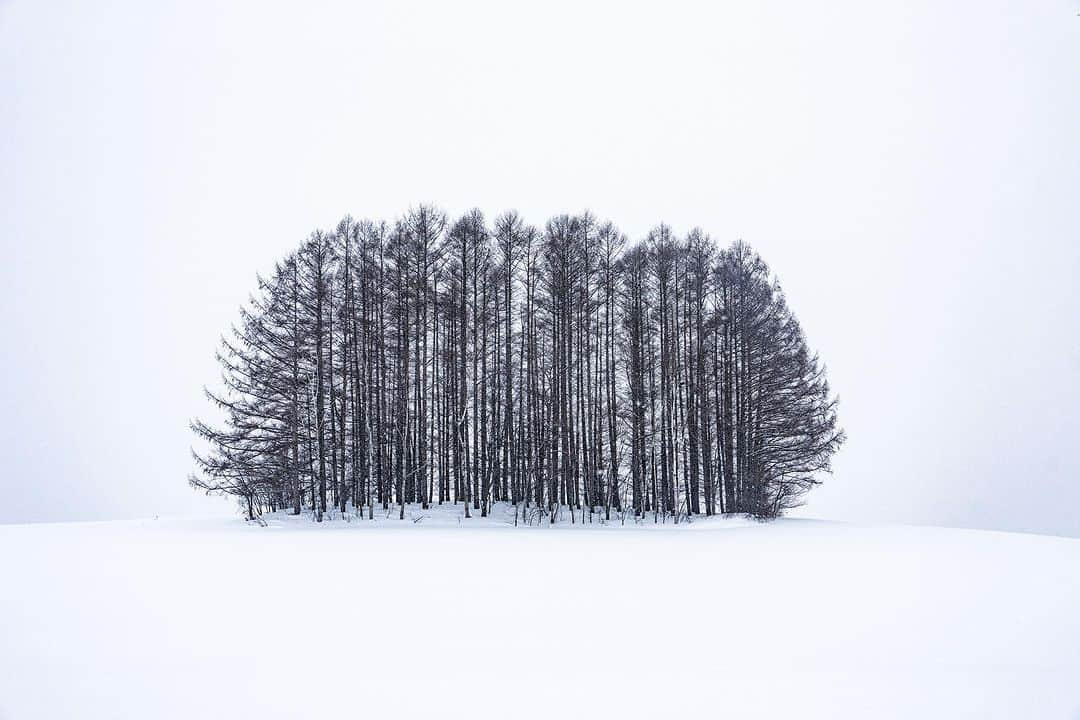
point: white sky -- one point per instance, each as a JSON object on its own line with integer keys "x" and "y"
{"x": 910, "y": 169}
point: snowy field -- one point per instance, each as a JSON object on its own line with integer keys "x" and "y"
{"x": 432, "y": 618}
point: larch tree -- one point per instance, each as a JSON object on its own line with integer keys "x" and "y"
{"x": 563, "y": 372}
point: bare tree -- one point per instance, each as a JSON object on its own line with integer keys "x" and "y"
{"x": 561, "y": 372}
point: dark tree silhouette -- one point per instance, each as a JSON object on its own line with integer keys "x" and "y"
{"x": 560, "y": 372}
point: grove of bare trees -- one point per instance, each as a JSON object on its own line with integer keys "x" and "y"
{"x": 558, "y": 372}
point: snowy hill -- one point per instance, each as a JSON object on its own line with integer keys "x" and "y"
{"x": 794, "y": 619}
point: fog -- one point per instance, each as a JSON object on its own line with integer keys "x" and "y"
{"x": 909, "y": 170}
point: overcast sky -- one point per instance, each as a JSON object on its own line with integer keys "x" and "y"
{"x": 911, "y": 171}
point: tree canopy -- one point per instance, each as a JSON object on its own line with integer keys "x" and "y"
{"x": 560, "y": 370}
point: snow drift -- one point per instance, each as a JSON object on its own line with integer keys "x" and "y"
{"x": 219, "y": 619}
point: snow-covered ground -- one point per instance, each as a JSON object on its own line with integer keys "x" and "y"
{"x": 436, "y": 619}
